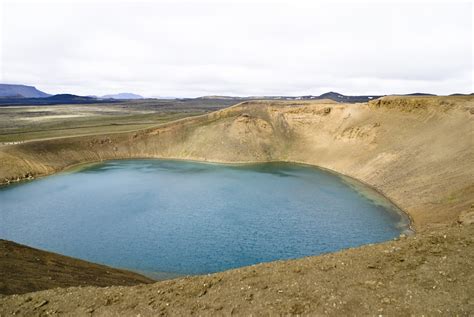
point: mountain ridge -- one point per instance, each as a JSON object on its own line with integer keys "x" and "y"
{"x": 123, "y": 96}
{"x": 21, "y": 91}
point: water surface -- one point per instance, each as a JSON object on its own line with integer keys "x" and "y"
{"x": 191, "y": 218}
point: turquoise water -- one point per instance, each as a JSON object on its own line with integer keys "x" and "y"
{"x": 192, "y": 218}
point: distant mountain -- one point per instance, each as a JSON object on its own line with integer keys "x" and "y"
{"x": 419, "y": 94}
{"x": 124, "y": 95}
{"x": 343, "y": 98}
{"x": 60, "y": 99}
{"x": 223, "y": 97}
{"x": 70, "y": 98}
{"x": 460, "y": 94}
{"x": 329, "y": 95}
{"x": 164, "y": 97}
{"x": 20, "y": 91}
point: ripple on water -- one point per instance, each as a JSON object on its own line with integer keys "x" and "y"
{"x": 190, "y": 218}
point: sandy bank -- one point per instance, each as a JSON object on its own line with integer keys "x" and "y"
{"x": 428, "y": 274}
{"x": 417, "y": 151}
{"x": 26, "y": 269}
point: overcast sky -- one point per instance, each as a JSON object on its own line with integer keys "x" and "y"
{"x": 194, "y": 48}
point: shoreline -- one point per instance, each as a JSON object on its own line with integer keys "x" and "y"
{"x": 357, "y": 142}
{"x": 79, "y": 166}
{"x": 414, "y": 152}
{"x": 374, "y": 275}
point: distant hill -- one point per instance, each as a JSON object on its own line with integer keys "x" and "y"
{"x": 20, "y": 91}
{"x": 419, "y": 94}
{"x": 342, "y": 98}
{"x": 21, "y": 95}
{"x": 70, "y": 98}
{"x": 223, "y": 97}
{"x": 460, "y": 94}
{"x": 329, "y": 95}
{"x": 53, "y": 100}
{"x": 123, "y": 95}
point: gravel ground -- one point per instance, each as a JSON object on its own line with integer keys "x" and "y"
{"x": 429, "y": 274}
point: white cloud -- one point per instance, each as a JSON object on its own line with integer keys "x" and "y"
{"x": 237, "y": 47}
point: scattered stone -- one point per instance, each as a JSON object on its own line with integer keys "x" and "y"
{"x": 41, "y": 304}
{"x": 370, "y": 283}
{"x": 90, "y": 310}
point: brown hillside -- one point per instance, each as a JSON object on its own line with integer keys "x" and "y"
{"x": 24, "y": 269}
{"x": 417, "y": 151}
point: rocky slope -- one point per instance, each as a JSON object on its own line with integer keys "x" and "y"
{"x": 25, "y": 269}
{"x": 418, "y": 151}
{"x": 429, "y": 274}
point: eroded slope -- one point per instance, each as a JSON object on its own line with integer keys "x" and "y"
{"x": 429, "y": 274}
{"x": 416, "y": 151}
{"x": 24, "y": 269}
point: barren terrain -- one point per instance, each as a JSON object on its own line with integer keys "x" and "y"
{"x": 417, "y": 151}
{"x": 25, "y": 270}
{"x": 429, "y": 274}
{"x": 25, "y": 123}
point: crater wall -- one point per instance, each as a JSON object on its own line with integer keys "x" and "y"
{"x": 417, "y": 151}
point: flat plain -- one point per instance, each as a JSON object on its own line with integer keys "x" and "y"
{"x": 26, "y": 123}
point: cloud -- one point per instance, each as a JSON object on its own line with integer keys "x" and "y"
{"x": 241, "y": 48}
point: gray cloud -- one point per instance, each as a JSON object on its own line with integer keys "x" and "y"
{"x": 240, "y": 48}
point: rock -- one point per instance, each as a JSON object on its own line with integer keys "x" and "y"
{"x": 41, "y": 304}
{"x": 467, "y": 217}
{"x": 90, "y": 310}
{"x": 370, "y": 283}
{"x": 385, "y": 300}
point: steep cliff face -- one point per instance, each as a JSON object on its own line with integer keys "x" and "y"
{"x": 418, "y": 151}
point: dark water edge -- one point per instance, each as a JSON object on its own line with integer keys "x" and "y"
{"x": 289, "y": 235}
